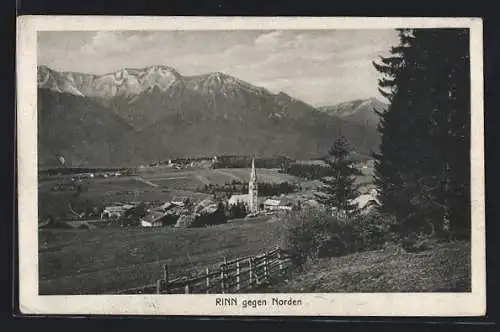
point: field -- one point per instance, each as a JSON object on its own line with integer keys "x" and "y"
{"x": 108, "y": 260}
{"x": 193, "y": 178}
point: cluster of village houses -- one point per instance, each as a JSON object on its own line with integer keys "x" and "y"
{"x": 155, "y": 216}
{"x": 179, "y": 164}
{"x": 91, "y": 175}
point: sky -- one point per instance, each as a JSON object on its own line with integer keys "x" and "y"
{"x": 320, "y": 67}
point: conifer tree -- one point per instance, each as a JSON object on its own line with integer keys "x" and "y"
{"x": 394, "y": 126}
{"x": 337, "y": 190}
{"x": 422, "y": 169}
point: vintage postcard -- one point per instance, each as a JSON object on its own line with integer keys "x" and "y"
{"x": 251, "y": 166}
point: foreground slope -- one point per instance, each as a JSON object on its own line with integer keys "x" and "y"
{"x": 445, "y": 267}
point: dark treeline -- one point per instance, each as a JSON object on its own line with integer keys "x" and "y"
{"x": 238, "y": 187}
{"x": 307, "y": 171}
{"x": 246, "y": 161}
{"x": 233, "y": 161}
{"x": 310, "y": 171}
{"x": 189, "y": 160}
{"x": 423, "y": 169}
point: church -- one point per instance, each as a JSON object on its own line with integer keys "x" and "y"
{"x": 251, "y": 200}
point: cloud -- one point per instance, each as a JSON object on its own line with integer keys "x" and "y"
{"x": 322, "y": 91}
{"x": 269, "y": 39}
{"x": 108, "y": 43}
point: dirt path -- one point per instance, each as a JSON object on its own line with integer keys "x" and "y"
{"x": 202, "y": 179}
{"x": 149, "y": 183}
{"x": 170, "y": 178}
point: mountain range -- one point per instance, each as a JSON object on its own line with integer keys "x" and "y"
{"x": 135, "y": 116}
{"x": 359, "y": 111}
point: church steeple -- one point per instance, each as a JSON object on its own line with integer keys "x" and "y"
{"x": 252, "y": 189}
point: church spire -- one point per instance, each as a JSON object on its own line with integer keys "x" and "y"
{"x": 252, "y": 189}
{"x": 253, "y": 176}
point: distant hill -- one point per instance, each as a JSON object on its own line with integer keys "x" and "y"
{"x": 359, "y": 111}
{"x": 135, "y": 116}
{"x": 83, "y": 132}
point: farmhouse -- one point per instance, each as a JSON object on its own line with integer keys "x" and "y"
{"x": 278, "y": 204}
{"x": 178, "y": 202}
{"x": 115, "y": 212}
{"x": 153, "y": 219}
{"x": 164, "y": 207}
{"x": 366, "y": 201}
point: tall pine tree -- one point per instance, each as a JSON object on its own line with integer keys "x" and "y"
{"x": 337, "y": 190}
{"x": 391, "y": 163}
{"x": 422, "y": 170}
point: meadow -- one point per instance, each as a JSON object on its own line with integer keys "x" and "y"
{"x": 108, "y": 260}
{"x": 194, "y": 178}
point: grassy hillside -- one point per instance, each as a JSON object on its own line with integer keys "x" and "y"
{"x": 443, "y": 268}
{"x": 83, "y": 132}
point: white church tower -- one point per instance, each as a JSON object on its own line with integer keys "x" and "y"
{"x": 252, "y": 190}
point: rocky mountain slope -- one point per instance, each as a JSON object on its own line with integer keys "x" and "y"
{"x": 134, "y": 116}
{"x": 359, "y": 111}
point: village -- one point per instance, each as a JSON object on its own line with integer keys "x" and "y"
{"x": 233, "y": 200}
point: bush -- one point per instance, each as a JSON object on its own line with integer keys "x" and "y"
{"x": 236, "y": 211}
{"x": 316, "y": 233}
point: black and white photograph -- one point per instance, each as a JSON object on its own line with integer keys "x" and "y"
{"x": 254, "y": 166}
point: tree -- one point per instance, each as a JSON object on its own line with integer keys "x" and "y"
{"x": 395, "y": 123}
{"x": 132, "y": 216}
{"x": 422, "y": 169}
{"x": 337, "y": 190}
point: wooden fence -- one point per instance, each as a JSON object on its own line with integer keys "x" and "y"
{"x": 230, "y": 276}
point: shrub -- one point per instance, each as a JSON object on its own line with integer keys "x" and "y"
{"x": 316, "y": 233}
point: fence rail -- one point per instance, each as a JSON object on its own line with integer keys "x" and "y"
{"x": 230, "y": 276}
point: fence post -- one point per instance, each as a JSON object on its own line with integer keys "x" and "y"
{"x": 162, "y": 284}
{"x": 265, "y": 266}
{"x": 165, "y": 272}
{"x": 186, "y": 289}
{"x": 238, "y": 275}
{"x": 280, "y": 261}
{"x": 250, "y": 277}
{"x": 165, "y": 278}
{"x": 158, "y": 286}
{"x": 269, "y": 262}
{"x": 222, "y": 286}
{"x": 226, "y": 276}
{"x": 208, "y": 280}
